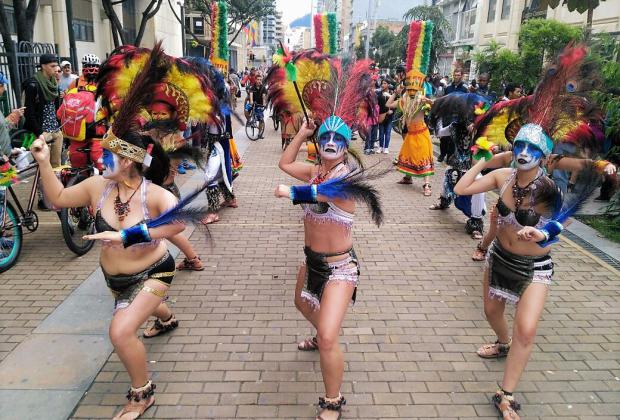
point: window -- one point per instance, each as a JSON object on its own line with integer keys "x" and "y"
{"x": 188, "y": 24}
{"x": 83, "y": 30}
{"x": 199, "y": 28}
{"x": 505, "y": 9}
{"x": 10, "y": 17}
{"x": 491, "y": 14}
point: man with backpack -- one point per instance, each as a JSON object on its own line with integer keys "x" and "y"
{"x": 78, "y": 114}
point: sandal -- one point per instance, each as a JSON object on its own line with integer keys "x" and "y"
{"x": 309, "y": 344}
{"x": 494, "y": 351}
{"x": 331, "y": 404}
{"x": 405, "y": 180}
{"x": 476, "y": 234}
{"x": 161, "y": 327}
{"x": 210, "y": 218}
{"x": 140, "y": 400}
{"x": 194, "y": 264}
{"x": 442, "y": 204}
{"x": 506, "y": 405}
{"x": 480, "y": 253}
{"x": 231, "y": 203}
{"x": 427, "y": 190}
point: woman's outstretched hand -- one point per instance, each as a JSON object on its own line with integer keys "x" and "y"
{"x": 531, "y": 234}
{"x": 107, "y": 236}
{"x": 282, "y": 191}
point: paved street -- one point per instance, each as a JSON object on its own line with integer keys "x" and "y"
{"x": 410, "y": 339}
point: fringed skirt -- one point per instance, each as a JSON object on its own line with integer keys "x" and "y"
{"x": 511, "y": 274}
{"x": 416, "y": 154}
{"x": 319, "y": 273}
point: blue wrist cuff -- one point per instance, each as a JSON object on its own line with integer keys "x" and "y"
{"x": 135, "y": 235}
{"x": 304, "y": 194}
{"x": 551, "y": 230}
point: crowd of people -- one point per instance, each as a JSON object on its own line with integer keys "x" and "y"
{"x": 145, "y": 115}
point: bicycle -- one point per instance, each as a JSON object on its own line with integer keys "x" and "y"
{"x": 253, "y": 128}
{"x": 78, "y": 221}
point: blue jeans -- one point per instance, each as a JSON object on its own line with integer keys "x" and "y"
{"x": 371, "y": 137}
{"x": 385, "y": 133}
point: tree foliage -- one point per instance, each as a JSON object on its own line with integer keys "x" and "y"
{"x": 381, "y": 48}
{"x": 503, "y": 65}
{"x": 240, "y": 13}
{"x": 119, "y": 35}
{"x": 579, "y": 5}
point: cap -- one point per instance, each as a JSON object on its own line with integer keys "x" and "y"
{"x": 3, "y": 79}
{"x": 65, "y": 63}
{"x": 47, "y": 58}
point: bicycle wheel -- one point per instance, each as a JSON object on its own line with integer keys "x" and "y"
{"x": 11, "y": 238}
{"x": 251, "y": 130}
{"x": 77, "y": 222}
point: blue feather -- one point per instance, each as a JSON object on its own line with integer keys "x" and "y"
{"x": 587, "y": 181}
{"x": 179, "y": 212}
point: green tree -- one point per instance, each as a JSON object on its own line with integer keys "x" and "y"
{"x": 441, "y": 31}
{"x": 574, "y": 5}
{"x": 381, "y": 48}
{"x": 240, "y": 13}
{"x": 503, "y": 65}
{"x": 119, "y": 35}
{"x": 541, "y": 40}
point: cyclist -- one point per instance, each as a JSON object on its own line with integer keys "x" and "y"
{"x": 257, "y": 100}
{"x": 78, "y": 115}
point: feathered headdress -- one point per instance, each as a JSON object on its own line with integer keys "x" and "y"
{"x": 219, "y": 35}
{"x": 326, "y": 33}
{"x": 418, "y": 53}
{"x": 183, "y": 87}
{"x": 559, "y": 110}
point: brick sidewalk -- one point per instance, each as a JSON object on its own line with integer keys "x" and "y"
{"x": 409, "y": 340}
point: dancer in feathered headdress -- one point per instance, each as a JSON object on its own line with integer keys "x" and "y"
{"x": 339, "y": 100}
{"x": 531, "y": 211}
{"x": 132, "y": 217}
{"x": 415, "y": 158}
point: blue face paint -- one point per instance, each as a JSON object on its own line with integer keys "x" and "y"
{"x": 526, "y": 155}
{"x": 108, "y": 160}
{"x": 332, "y": 145}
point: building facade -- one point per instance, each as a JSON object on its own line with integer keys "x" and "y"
{"x": 463, "y": 17}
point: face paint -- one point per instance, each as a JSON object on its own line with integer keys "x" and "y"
{"x": 526, "y": 155}
{"x": 110, "y": 164}
{"x": 332, "y": 146}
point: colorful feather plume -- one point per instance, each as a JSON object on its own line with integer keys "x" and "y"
{"x": 180, "y": 212}
{"x": 419, "y": 44}
{"x": 458, "y": 107}
{"x": 326, "y": 33}
{"x": 8, "y": 175}
{"x": 219, "y": 35}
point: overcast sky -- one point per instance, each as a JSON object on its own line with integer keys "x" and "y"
{"x": 385, "y": 9}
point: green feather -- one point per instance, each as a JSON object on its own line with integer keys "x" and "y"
{"x": 223, "y": 24}
{"x": 291, "y": 72}
{"x": 332, "y": 27}
{"x": 426, "y": 49}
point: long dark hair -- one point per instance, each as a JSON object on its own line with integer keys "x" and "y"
{"x": 159, "y": 169}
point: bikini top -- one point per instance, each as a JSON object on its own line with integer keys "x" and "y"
{"x": 327, "y": 212}
{"x": 101, "y": 225}
{"x": 521, "y": 217}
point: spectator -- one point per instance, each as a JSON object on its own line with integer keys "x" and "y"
{"x": 67, "y": 77}
{"x": 41, "y": 100}
{"x": 512, "y": 91}
{"x": 11, "y": 121}
{"x": 483, "y": 88}
{"x": 257, "y": 96}
{"x": 386, "y": 116}
{"x": 457, "y": 84}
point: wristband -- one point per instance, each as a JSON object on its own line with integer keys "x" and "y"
{"x": 303, "y": 194}
{"x": 551, "y": 230}
{"x": 135, "y": 235}
{"x": 601, "y": 164}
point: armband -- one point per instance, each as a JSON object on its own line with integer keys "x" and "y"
{"x": 304, "y": 194}
{"x": 135, "y": 235}
{"x": 551, "y": 230}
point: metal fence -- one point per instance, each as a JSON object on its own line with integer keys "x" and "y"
{"x": 25, "y": 62}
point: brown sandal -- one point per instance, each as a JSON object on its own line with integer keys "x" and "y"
{"x": 480, "y": 253}
{"x": 309, "y": 344}
{"x": 405, "y": 181}
{"x": 193, "y": 264}
{"x": 506, "y": 406}
{"x": 331, "y": 404}
{"x": 161, "y": 327}
{"x": 140, "y": 400}
{"x": 496, "y": 350}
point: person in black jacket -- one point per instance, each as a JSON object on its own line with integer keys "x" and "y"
{"x": 446, "y": 147}
{"x": 41, "y": 102}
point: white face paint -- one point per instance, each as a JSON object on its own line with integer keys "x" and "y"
{"x": 526, "y": 155}
{"x": 332, "y": 146}
{"x": 111, "y": 165}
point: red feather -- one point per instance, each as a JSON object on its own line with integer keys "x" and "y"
{"x": 414, "y": 35}
{"x": 318, "y": 32}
